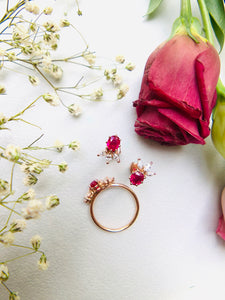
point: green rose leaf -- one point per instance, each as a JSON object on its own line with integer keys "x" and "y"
{"x": 217, "y": 15}
{"x": 153, "y": 5}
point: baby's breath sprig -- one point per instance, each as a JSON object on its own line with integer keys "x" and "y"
{"x": 29, "y": 44}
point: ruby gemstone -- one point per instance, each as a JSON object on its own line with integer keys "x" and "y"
{"x": 93, "y": 184}
{"x": 113, "y": 143}
{"x": 137, "y": 178}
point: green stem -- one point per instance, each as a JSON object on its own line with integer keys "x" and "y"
{"x": 6, "y": 287}
{"x": 11, "y": 209}
{"x": 206, "y": 21}
{"x": 18, "y": 257}
{"x": 185, "y": 10}
{"x": 26, "y": 108}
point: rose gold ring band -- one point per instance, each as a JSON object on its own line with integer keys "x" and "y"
{"x": 123, "y": 186}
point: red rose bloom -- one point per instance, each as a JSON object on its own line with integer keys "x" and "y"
{"x": 178, "y": 92}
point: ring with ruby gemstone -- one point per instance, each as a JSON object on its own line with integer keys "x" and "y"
{"x": 112, "y": 150}
{"x": 139, "y": 171}
{"x": 98, "y": 186}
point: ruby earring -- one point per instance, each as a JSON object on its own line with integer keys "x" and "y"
{"x": 112, "y": 150}
{"x": 139, "y": 171}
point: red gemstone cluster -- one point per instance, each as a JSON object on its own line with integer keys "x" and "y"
{"x": 96, "y": 186}
{"x": 139, "y": 171}
{"x": 112, "y": 150}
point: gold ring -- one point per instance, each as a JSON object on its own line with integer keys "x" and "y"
{"x": 95, "y": 188}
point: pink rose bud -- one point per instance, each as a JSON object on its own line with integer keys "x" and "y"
{"x": 221, "y": 225}
{"x": 178, "y": 92}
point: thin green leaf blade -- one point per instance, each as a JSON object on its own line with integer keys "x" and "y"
{"x": 218, "y": 33}
{"x": 217, "y": 15}
{"x": 153, "y": 5}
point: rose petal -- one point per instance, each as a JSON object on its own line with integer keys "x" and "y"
{"x": 183, "y": 121}
{"x": 207, "y": 78}
{"x": 175, "y": 81}
{"x": 221, "y": 228}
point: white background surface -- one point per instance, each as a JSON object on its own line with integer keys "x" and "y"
{"x": 172, "y": 251}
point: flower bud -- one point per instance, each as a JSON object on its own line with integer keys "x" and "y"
{"x": 18, "y": 225}
{"x": 29, "y": 195}
{"x": 36, "y": 242}
{"x": 4, "y": 272}
{"x": 74, "y": 145}
{"x": 12, "y": 152}
{"x": 30, "y": 179}
{"x": 43, "y": 263}
{"x": 14, "y": 296}
{"x": 75, "y": 109}
{"x": 63, "y": 167}
{"x": 2, "y": 89}
{"x": 48, "y": 10}
{"x": 7, "y": 238}
{"x": 130, "y": 66}
{"x": 52, "y": 201}
{"x": 4, "y": 187}
{"x": 218, "y": 127}
{"x": 52, "y": 99}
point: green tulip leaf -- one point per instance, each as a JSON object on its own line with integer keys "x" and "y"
{"x": 217, "y": 15}
{"x": 153, "y": 5}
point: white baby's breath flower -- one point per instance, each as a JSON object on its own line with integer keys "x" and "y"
{"x": 48, "y": 10}
{"x": 90, "y": 58}
{"x": 34, "y": 80}
{"x": 64, "y": 23}
{"x": 11, "y": 56}
{"x": 51, "y": 201}
{"x": 14, "y": 296}
{"x": 36, "y": 168}
{"x": 120, "y": 59}
{"x": 33, "y": 209}
{"x": 4, "y": 272}
{"x": 2, "y": 89}
{"x": 51, "y": 39}
{"x": 130, "y": 66}
{"x": 124, "y": 88}
{"x": 75, "y": 109}
{"x": 2, "y": 51}
{"x": 46, "y": 61}
{"x": 56, "y": 71}
{"x": 59, "y": 145}
{"x": 52, "y": 99}
{"x": 97, "y": 94}
{"x": 32, "y": 7}
{"x": 7, "y": 238}
{"x": 51, "y": 26}
{"x": 29, "y": 195}
{"x": 36, "y": 242}
{"x": 18, "y": 225}
{"x": 45, "y": 163}
{"x": 63, "y": 166}
{"x": 30, "y": 179}
{"x": 116, "y": 79}
{"x": 20, "y": 33}
{"x": 25, "y": 168}
{"x": 74, "y": 145}
{"x": 12, "y": 152}
{"x": 43, "y": 264}
{"x": 4, "y": 187}
{"x": 3, "y": 119}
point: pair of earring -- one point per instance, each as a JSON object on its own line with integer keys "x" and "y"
{"x": 139, "y": 171}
